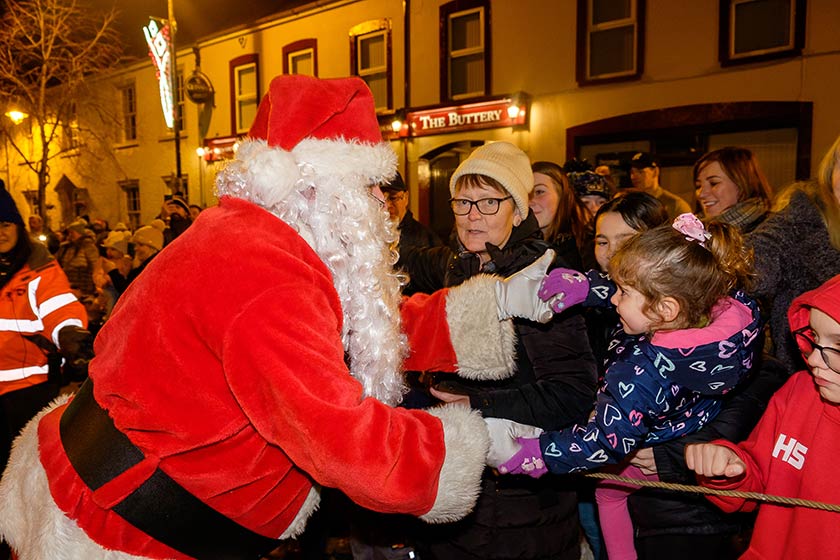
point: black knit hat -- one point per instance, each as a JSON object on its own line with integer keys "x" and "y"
{"x": 8, "y": 209}
{"x": 588, "y": 183}
{"x": 178, "y": 200}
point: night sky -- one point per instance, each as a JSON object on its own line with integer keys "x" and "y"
{"x": 196, "y": 18}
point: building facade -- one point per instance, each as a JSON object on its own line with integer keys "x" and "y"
{"x": 597, "y": 79}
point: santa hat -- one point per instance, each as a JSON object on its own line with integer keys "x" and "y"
{"x": 314, "y": 129}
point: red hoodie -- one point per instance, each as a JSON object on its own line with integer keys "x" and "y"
{"x": 793, "y": 451}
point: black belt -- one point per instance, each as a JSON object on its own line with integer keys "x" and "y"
{"x": 159, "y": 507}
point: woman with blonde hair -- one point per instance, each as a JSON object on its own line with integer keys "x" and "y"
{"x": 798, "y": 248}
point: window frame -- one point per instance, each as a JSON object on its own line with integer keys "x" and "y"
{"x": 447, "y": 12}
{"x": 128, "y": 119}
{"x": 297, "y": 47}
{"x": 362, "y": 31}
{"x": 236, "y": 64}
{"x": 584, "y": 31}
{"x": 726, "y": 36}
{"x": 131, "y": 189}
{"x": 71, "y": 135}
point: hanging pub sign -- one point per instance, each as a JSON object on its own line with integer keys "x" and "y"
{"x": 509, "y": 110}
{"x": 198, "y": 87}
{"x": 157, "y": 37}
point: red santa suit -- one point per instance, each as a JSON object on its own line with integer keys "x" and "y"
{"x": 226, "y": 365}
{"x": 793, "y": 452}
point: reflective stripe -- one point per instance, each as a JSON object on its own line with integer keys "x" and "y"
{"x": 63, "y": 324}
{"x": 50, "y": 305}
{"x": 21, "y": 326}
{"x": 55, "y": 302}
{"x": 22, "y": 373}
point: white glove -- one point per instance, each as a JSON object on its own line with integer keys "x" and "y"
{"x": 503, "y": 434}
{"x": 516, "y": 295}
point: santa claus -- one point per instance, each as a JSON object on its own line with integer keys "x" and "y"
{"x": 258, "y": 358}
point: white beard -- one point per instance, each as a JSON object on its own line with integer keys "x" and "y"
{"x": 351, "y": 233}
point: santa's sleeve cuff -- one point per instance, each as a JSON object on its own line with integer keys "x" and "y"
{"x": 467, "y": 443}
{"x": 484, "y": 345}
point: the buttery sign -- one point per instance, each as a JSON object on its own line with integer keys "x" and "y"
{"x": 496, "y": 113}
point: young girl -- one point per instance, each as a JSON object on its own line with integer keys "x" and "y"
{"x": 794, "y": 448}
{"x": 684, "y": 343}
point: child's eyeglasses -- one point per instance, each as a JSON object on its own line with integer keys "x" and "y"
{"x": 807, "y": 344}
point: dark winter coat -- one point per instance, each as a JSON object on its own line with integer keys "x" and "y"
{"x": 660, "y": 388}
{"x": 517, "y": 517}
{"x": 793, "y": 254}
{"x": 656, "y": 513}
{"x": 415, "y": 234}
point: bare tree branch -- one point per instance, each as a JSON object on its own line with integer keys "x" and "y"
{"x": 49, "y": 49}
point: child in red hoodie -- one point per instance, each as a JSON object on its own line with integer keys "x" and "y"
{"x": 795, "y": 448}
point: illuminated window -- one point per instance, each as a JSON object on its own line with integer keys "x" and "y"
{"x": 757, "y": 30}
{"x": 465, "y": 60}
{"x": 131, "y": 188}
{"x": 128, "y": 103}
{"x": 301, "y": 57}
{"x": 370, "y": 51}
{"x": 70, "y": 140}
{"x": 245, "y": 86}
{"x": 610, "y": 40}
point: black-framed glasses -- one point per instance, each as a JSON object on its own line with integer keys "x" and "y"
{"x": 807, "y": 344}
{"x": 394, "y": 197}
{"x": 486, "y": 206}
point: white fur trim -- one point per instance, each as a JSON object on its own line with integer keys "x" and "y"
{"x": 484, "y": 346}
{"x": 29, "y": 519}
{"x": 467, "y": 444}
{"x": 270, "y": 175}
{"x": 298, "y": 524}
{"x": 37, "y": 529}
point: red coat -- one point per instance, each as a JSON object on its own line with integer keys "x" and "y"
{"x": 793, "y": 452}
{"x": 224, "y": 364}
{"x": 36, "y": 300}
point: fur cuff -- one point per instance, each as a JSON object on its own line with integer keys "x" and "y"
{"x": 484, "y": 346}
{"x": 467, "y": 443}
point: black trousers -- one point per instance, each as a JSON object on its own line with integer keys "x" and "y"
{"x": 16, "y": 409}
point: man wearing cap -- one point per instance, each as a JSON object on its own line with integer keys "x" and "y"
{"x": 644, "y": 173}
{"x": 412, "y": 234}
{"x": 257, "y": 358}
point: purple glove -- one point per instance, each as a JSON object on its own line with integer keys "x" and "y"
{"x": 563, "y": 287}
{"x": 528, "y": 460}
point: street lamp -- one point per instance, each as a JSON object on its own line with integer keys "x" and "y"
{"x": 16, "y": 115}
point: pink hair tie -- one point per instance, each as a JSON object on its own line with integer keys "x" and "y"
{"x": 689, "y": 225}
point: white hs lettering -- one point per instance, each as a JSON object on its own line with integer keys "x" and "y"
{"x": 792, "y": 451}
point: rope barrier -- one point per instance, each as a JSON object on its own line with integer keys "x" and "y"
{"x": 757, "y": 496}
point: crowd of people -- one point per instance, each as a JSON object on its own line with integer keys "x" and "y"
{"x": 334, "y": 342}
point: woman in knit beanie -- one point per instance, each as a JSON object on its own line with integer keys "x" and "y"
{"x": 555, "y": 380}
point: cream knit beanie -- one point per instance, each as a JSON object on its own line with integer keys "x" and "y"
{"x": 505, "y": 163}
